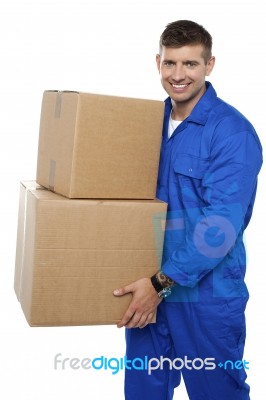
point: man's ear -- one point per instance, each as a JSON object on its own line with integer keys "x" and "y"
{"x": 158, "y": 62}
{"x": 210, "y": 65}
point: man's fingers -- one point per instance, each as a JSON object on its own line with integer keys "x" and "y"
{"x": 126, "y": 319}
{"x": 148, "y": 320}
{"x": 123, "y": 290}
{"x": 139, "y": 320}
{"x": 142, "y": 306}
{"x": 135, "y": 321}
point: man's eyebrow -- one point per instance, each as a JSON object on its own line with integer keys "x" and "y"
{"x": 169, "y": 61}
{"x": 190, "y": 61}
{"x": 166, "y": 60}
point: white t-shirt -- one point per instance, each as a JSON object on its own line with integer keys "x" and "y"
{"x": 173, "y": 124}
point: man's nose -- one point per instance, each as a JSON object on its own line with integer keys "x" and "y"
{"x": 178, "y": 72}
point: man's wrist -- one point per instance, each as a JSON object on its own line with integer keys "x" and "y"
{"x": 163, "y": 280}
{"x": 162, "y": 284}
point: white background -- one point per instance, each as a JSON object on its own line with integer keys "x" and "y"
{"x": 108, "y": 47}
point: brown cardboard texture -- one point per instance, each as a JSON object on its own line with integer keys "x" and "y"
{"x": 98, "y": 146}
{"x": 72, "y": 254}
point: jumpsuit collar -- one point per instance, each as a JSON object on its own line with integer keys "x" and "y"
{"x": 200, "y": 112}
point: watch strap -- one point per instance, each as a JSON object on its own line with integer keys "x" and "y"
{"x": 156, "y": 284}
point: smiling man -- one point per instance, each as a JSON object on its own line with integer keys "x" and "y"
{"x": 183, "y": 71}
{"x": 210, "y": 160}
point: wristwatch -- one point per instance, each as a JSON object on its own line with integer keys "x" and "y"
{"x": 162, "y": 292}
{"x": 165, "y": 292}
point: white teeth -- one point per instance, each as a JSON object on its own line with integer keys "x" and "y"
{"x": 179, "y": 86}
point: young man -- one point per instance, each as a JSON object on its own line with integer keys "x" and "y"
{"x": 210, "y": 160}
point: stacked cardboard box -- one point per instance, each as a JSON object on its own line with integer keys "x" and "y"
{"x": 95, "y": 146}
{"x": 90, "y": 223}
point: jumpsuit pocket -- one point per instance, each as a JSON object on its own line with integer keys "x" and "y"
{"x": 191, "y": 166}
{"x": 189, "y": 172}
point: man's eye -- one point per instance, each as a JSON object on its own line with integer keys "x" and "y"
{"x": 190, "y": 64}
{"x": 168, "y": 63}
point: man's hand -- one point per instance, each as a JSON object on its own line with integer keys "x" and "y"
{"x": 143, "y": 304}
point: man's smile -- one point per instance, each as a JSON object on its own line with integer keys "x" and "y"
{"x": 179, "y": 86}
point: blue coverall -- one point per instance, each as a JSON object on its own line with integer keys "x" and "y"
{"x": 208, "y": 176}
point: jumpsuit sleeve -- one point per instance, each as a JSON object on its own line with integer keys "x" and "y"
{"x": 227, "y": 193}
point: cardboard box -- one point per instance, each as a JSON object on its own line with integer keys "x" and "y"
{"x": 72, "y": 254}
{"x": 97, "y": 146}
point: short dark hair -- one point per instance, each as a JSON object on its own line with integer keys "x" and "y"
{"x": 186, "y": 33}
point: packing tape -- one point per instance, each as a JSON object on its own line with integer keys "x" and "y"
{"x": 51, "y": 180}
{"x": 58, "y": 104}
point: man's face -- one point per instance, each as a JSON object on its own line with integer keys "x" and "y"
{"x": 182, "y": 71}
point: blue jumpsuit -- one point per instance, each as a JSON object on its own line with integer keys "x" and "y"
{"x": 208, "y": 176}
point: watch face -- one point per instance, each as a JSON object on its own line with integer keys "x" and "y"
{"x": 164, "y": 293}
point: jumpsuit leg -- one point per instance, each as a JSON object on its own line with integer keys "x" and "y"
{"x": 152, "y": 341}
{"x": 216, "y": 331}
{"x": 208, "y": 328}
